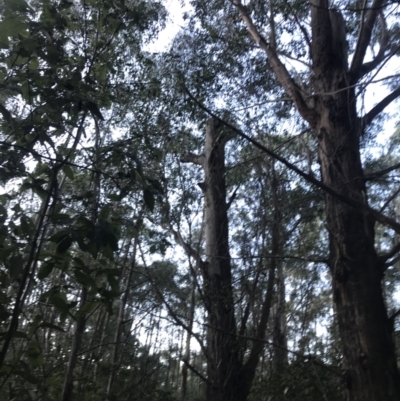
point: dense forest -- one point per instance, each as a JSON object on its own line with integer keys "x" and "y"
{"x": 214, "y": 220}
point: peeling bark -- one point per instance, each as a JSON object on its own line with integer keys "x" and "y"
{"x": 370, "y": 368}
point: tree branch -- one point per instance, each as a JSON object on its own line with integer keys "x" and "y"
{"x": 232, "y": 198}
{"x": 387, "y": 221}
{"x": 282, "y": 74}
{"x": 380, "y": 57}
{"x": 380, "y": 173}
{"x": 171, "y": 311}
{"x": 364, "y": 36}
{"x": 186, "y": 247}
{"x": 383, "y": 258}
{"x": 192, "y": 158}
{"x": 196, "y": 372}
{"x": 375, "y": 111}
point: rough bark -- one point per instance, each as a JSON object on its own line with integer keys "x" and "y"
{"x": 228, "y": 378}
{"x": 224, "y": 368}
{"x": 370, "y": 368}
{"x": 369, "y": 356}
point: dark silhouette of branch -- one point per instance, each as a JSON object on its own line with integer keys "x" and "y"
{"x": 375, "y": 111}
{"x": 196, "y": 372}
{"x": 383, "y": 219}
{"x": 364, "y": 37}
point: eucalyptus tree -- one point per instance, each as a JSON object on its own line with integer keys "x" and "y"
{"x": 322, "y": 56}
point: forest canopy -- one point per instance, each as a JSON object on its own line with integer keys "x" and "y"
{"x": 214, "y": 220}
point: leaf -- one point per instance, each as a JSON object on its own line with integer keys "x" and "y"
{"x": 59, "y": 301}
{"x": 86, "y": 309}
{"x": 6, "y": 114}
{"x": 105, "y": 212}
{"x": 16, "y": 334}
{"x": 83, "y": 278}
{"x": 15, "y": 267}
{"x": 113, "y": 283}
{"x": 61, "y": 218}
{"x": 148, "y": 199}
{"x": 49, "y": 293}
{"x": 58, "y": 237}
{"x": 34, "y": 64}
{"x": 45, "y": 270}
{"x": 67, "y": 170}
{"x": 46, "y": 325}
{"x": 64, "y": 244}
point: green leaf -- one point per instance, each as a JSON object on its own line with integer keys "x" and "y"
{"x": 105, "y": 212}
{"x": 59, "y": 301}
{"x": 12, "y": 27}
{"x": 15, "y": 266}
{"x": 83, "y": 278}
{"x": 58, "y": 237}
{"x": 64, "y": 244}
{"x": 61, "y": 218}
{"x": 86, "y": 309}
{"x": 45, "y": 270}
{"x": 67, "y": 170}
{"x": 113, "y": 283}
{"x": 34, "y": 64}
{"x": 16, "y": 334}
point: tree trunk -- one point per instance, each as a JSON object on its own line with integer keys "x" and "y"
{"x": 369, "y": 356}
{"x": 73, "y": 356}
{"x": 224, "y": 367}
{"x": 120, "y": 322}
{"x": 228, "y": 379}
{"x": 371, "y": 371}
{"x": 280, "y": 354}
{"x": 186, "y": 356}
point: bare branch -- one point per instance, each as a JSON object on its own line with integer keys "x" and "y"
{"x": 186, "y": 247}
{"x": 192, "y": 158}
{"x": 364, "y": 37}
{"x": 375, "y": 111}
{"x": 387, "y": 221}
{"x": 196, "y": 372}
{"x": 282, "y": 74}
{"x": 390, "y": 199}
{"x": 380, "y": 173}
{"x": 232, "y": 198}
{"x": 380, "y": 57}
{"x": 383, "y": 258}
{"x": 391, "y": 263}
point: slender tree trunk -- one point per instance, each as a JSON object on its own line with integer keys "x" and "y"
{"x": 73, "y": 356}
{"x": 280, "y": 355}
{"x": 186, "y": 356}
{"x": 118, "y": 330}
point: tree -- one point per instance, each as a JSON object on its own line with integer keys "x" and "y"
{"x": 62, "y": 82}
{"x": 323, "y": 91}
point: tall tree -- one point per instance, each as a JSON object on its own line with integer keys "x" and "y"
{"x": 323, "y": 36}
